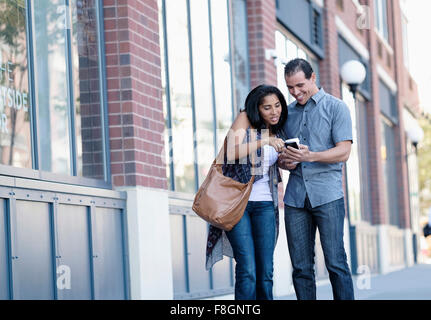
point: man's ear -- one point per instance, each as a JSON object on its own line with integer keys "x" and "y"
{"x": 313, "y": 77}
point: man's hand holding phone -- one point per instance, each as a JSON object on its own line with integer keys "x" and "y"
{"x": 294, "y": 153}
{"x": 294, "y": 143}
{"x": 299, "y": 153}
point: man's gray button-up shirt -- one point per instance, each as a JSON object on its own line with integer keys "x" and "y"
{"x": 320, "y": 124}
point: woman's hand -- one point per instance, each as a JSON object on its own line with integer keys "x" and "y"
{"x": 285, "y": 163}
{"x": 276, "y": 143}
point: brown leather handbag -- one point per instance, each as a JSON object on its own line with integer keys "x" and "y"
{"x": 220, "y": 200}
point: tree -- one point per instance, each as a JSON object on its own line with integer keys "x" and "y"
{"x": 424, "y": 163}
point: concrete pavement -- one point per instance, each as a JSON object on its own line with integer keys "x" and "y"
{"x": 413, "y": 283}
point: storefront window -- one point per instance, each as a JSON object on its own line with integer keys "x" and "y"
{"x": 50, "y": 49}
{"x": 363, "y": 146}
{"x": 86, "y": 89}
{"x": 15, "y": 137}
{"x": 200, "y": 81}
{"x": 389, "y": 171}
{"x": 353, "y": 172}
{"x": 68, "y": 87}
{"x": 222, "y": 67}
{"x": 288, "y": 50}
{"x": 410, "y": 123}
{"x": 180, "y": 95}
{"x": 202, "y": 86}
{"x": 64, "y": 134}
{"x": 240, "y": 52}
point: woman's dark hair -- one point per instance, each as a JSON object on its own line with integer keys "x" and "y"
{"x": 296, "y": 65}
{"x": 254, "y": 100}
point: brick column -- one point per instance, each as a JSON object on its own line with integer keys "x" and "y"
{"x": 136, "y": 121}
{"x": 261, "y": 18}
{"x": 374, "y": 134}
{"x": 329, "y": 73}
{"x": 136, "y": 126}
{"x": 400, "y": 142}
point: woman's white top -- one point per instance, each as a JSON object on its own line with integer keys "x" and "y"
{"x": 260, "y": 190}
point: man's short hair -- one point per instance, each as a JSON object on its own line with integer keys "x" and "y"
{"x": 296, "y": 65}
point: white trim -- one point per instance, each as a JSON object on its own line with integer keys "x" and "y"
{"x": 386, "y": 78}
{"x": 384, "y": 41}
{"x": 348, "y": 35}
{"x": 358, "y": 6}
{"x": 404, "y": 10}
{"x": 319, "y": 3}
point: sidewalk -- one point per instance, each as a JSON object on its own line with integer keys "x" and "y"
{"x": 412, "y": 283}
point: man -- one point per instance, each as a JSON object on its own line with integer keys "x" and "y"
{"x": 314, "y": 195}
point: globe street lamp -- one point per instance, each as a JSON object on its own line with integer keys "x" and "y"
{"x": 353, "y": 73}
{"x": 415, "y": 134}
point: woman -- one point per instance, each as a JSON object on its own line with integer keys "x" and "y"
{"x": 256, "y": 131}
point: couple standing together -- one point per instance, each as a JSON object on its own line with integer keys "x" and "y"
{"x": 313, "y": 197}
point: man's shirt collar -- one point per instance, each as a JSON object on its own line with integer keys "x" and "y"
{"x": 318, "y": 96}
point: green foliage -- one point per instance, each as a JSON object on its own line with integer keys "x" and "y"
{"x": 424, "y": 162}
{"x": 12, "y": 22}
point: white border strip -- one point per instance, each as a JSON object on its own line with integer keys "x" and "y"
{"x": 351, "y": 38}
{"x": 384, "y": 41}
{"x": 319, "y": 3}
{"x": 358, "y": 5}
{"x": 386, "y": 78}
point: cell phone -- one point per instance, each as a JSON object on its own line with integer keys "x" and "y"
{"x": 294, "y": 143}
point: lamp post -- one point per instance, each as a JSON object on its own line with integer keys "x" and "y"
{"x": 415, "y": 134}
{"x": 353, "y": 73}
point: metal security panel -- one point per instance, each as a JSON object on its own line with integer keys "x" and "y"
{"x": 222, "y": 274}
{"x": 108, "y": 253}
{"x": 74, "y": 279}
{"x": 199, "y": 277}
{"x": 4, "y": 256}
{"x": 179, "y": 263}
{"x": 61, "y": 245}
{"x": 32, "y": 250}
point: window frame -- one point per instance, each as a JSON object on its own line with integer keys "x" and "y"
{"x": 315, "y": 60}
{"x": 212, "y": 100}
{"x": 381, "y": 19}
{"x": 35, "y": 172}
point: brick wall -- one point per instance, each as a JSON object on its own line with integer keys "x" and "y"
{"x": 261, "y": 19}
{"x": 329, "y": 73}
{"x": 350, "y": 16}
{"x": 136, "y": 121}
{"x": 400, "y": 142}
{"x": 374, "y": 134}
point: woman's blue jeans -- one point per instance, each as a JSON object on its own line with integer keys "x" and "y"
{"x": 253, "y": 243}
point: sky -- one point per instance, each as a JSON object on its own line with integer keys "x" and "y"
{"x": 419, "y": 27}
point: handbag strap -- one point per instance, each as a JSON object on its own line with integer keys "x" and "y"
{"x": 223, "y": 149}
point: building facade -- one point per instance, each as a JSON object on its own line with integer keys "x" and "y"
{"x": 112, "y": 112}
